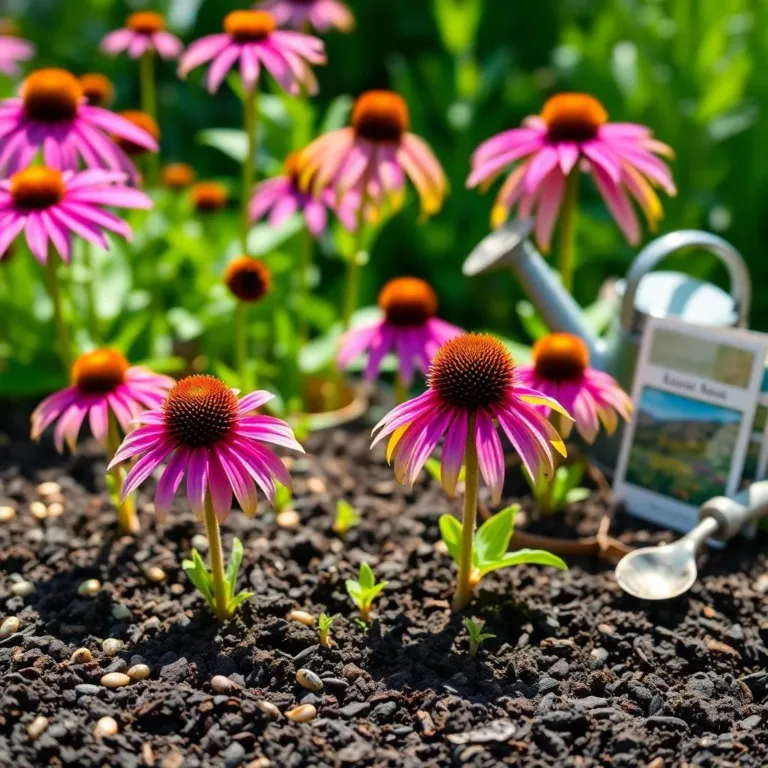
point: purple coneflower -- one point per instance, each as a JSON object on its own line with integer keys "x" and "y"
{"x": 252, "y": 38}
{"x": 320, "y": 14}
{"x": 409, "y": 328}
{"x": 144, "y": 31}
{"x": 473, "y": 388}
{"x": 561, "y": 370}
{"x": 52, "y": 115}
{"x": 13, "y": 50}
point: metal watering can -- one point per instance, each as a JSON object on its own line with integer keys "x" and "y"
{"x": 644, "y": 293}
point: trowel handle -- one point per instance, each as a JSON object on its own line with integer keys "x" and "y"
{"x": 734, "y": 514}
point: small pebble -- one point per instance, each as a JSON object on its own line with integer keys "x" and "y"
{"x": 302, "y": 714}
{"x": 9, "y": 626}
{"x": 288, "y": 518}
{"x": 39, "y": 510}
{"x": 260, "y": 762}
{"x": 302, "y": 617}
{"x": 48, "y": 489}
{"x": 23, "y": 588}
{"x": 309, "y": 680}
{"x": 222, "y": 684}
{"x": 155, "y": 574}
{"x": 36, "y": 728}
{"x": 115, "y": 680}
{"x": 89, "y": 588}
{"x": 121, "y": 611}
{"x": 316, "y": 486}
{"x": 200, "y": 542}
{"x": 111, "y": 646}
{"x": 138, "y": 672}
{"x": 7, "y": 514}
{"x": 81, "y": 656}
{"x": 269, "y": 709}
{"x": 56, "y": 509}
{"x": 106, "y": 726}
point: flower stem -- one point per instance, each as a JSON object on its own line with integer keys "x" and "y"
{"x": 352, "y": 291}
{"x": 464, "y": 582}
{"x": 401, "y": 389}
{"x": 149, "y": 105}
{"x": 220, "y": 588}
{"x": 306, "y": 249}
{"x": 241, "y": 344}
{"x": 127, "y": 521}
{"x": 54, "y": 289}
{"x": 568, "y": 229}
{"x": 90, "y": 293}
{"x": 249, "y": 121}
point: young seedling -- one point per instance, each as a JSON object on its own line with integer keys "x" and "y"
{"x": 283, "y": 497}
{"x": 365, "y": 590}
{"x": 346, "y": 518}
{"x": 563, "y": 490}
{"x": 476, "y": 635}
{"x": 490, "y": 544}
{"x": 324, "y": 622}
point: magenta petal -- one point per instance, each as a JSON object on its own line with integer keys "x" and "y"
{"x": 490, "y": 456}
{"x": 169, "y": 482}
{"x": 219, "y": 488}
{"x": 145, "y": 466}
{"x": 197, "y": 480}
{"x": 454, "y": 450}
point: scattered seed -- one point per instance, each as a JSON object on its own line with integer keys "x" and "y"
{"x": 23, "y": 588}
{"x": 115, "y": 680}
{"x": 81, "y": 656}
{"x": 112, "y": 646}
{"x": 37, "y": 727}
{"x": 656, "y": 763}
{"x": 309, "y": 680}
{"x": 302, "y": 617}
{"x": 106, "y": 726}
{"x": 155, "y": 574}
{"x": 316, "y": 486}
{"x": 48, "y": 489}
{"x": 269, "y": 709}
{"x": 89, "y": 588}
{"x": 302, "y": 714}
{"x": 138, "y": 672}
{"x": 121, "y": 611}
{"x": 717, "y": 647}
{"x": 10, "y": 626}
{"x": 288, "y": 518}
{"x": 56, "y": 509}
{"x": 260, "y": 762}
{"x": 7, "y": 514}
{"x": 39, "y": 510}
{"x": 200, "y": 542}
{"x": 222, "y": 684}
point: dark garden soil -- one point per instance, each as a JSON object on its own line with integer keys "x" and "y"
{"x": 578, "y": 675}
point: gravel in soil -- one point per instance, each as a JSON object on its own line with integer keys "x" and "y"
{"x": 578, "y": 674}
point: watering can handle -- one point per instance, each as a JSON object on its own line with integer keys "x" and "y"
{"x": 657, "y": 250}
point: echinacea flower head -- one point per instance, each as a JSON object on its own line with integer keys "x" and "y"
{"x": 573, "y": 134}
{"x": 408, "y": 328}
{"x": 282, "y": 196}
{"x": 323, "y": 15}
{"x": 253, "y": 39}
{"x": 141, "y": 120}
{"x": 205, "y": 432}
{"x": 103, "y": 383}
{"x": 12, "y": 48}
{"x": 473, "y": 387}
{"x": 144, "y": 31}
{"x": 52, "y": 115}
{"x": 248, "y": 279}
{"x": 209, "y": 196}
{"x": 49, "y": 204}
{"x": 373, "y": 157}
{"x": 561, "y": 370}
{"x": 98, "y": 89}
{"x": 177, "y": 175}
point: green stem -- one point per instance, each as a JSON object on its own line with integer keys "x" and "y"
{"x": 352, "y": 292}
{"x": 568, "y": 229}
{"x": 249, "y": 120}
{"x": 306, "y": 249}
{"x": 149, "y": 105}
{"x": 90, "y": 294}
{"x": 127, "y": 520}
{"x": 220, "y": 587}
{"x": 54, "y": 289}
{"x": 401, "y": 390}
{"x": 464, "y": 581}
{"x": 241, "y": 344}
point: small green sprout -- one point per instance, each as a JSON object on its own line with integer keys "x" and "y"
{"x": 283, "y": 498}
{"x": 202, "y": 578}
{"x": 476, "y": 635}
{"x": 346, "y": 518}
{"x": 434, "y": 468}
{"x": 552, "y": 496}
{"x": 365, "y": 590}
{"x": 324, "y": 622}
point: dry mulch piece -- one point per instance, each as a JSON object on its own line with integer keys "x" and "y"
{"x": 578, "y": 675}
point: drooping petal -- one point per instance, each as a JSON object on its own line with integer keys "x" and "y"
{"x": 490, "y": 456}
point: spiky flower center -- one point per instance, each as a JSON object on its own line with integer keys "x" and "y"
{"x": 381, "y": 116}
{"x": 472, "y": 371}
{"x": 102, "y": 370}
{"x": 249, "y": 279}
{"x": 200, "y": 411}
{"x": 140, "y": 120}
{"x": 178, "y": 175}
{"x": 145, "y": 22}
{"x": 209, "y": 196}
{"x": 51, "y": 96}
{"x": 36, "y": 188}
{"x": 573, "y": 116}
{"x": 408, "y": 301}
{"x": 249, "y": 26}
{"x": 97, "y": 89}
{"x": 560, "y": 357}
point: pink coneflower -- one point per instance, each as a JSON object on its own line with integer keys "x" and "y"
{"x": 473, "y": 388}
{"x": 561, "y": 370}
{"x": 144, "y": 31}
{"x": 52, "y": 115}
{"x": 283, "y": 196}
{"x": 572, "y": 133}
{"x": 409, "y": 328}
{"x": 252, "y": 38}
{"x": 48, "y": 204}
{"x": 373, "y": 156}
{"x": 13, "y": 49}
{"x": 320, "y": 14}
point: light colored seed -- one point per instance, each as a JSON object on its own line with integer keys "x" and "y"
{"x": 39, "y": 510}
{"x": 222, "y": 684}
{"x": 106, "y": 726}
{"x": 10, "y": 626}
{"x": 23, "y": 588}
{"x": 89, "y": 588}
{"x": 260, "y": 762}
{"x": 155, "y": 574}
{"x": 309, "y": 680}
{"x": 115, "y": 680}
{"x": 316, "y": 486}
{"x": 302, "y": 617}
{"x": 200, "y": 542}
{"x": 288, "y": 518}
{"x": 56, "y": 509}
{"x": 37, "y": 727}
{"x": 138, "y": 672}
{"x": 81, "y": 656}
{"x": 7, "y": 514}
{"x": 112, "y": 646}
{"x": 121, "y": 611}
{"x": 302, "y": 714}
{"x": 48, "y": 489}
{"x": 269, "y": 709}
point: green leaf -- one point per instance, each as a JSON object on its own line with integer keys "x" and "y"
{"x": 263, "y": 238}
{"x": 492, "y": 538}
{"x": 450, "y": 533}
{"x": 532, "y": 321}
{"x": 337, "y": 114}
{"x": 346, "y": 517}
{"x": 233, "y": 567}
{"x": 373, "y": 592}
{"x": 354, "y": 591}
{"x": 238, "y": 600}
{"x": 576, "y": 495}
{"x": 231, "y": 141}
{"x": 524, "y": 557}
{"x": 199, "y": 575}
{"x": 366, "y": 579}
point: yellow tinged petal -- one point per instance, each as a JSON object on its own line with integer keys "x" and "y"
{"x": 609, "y": 418}
{"x": 548, "y": 402}
{"x": 499, "y": 216}
{"x": 394, "y": 440}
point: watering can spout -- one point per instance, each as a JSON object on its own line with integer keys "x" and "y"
{"x": 511, "y": 247}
